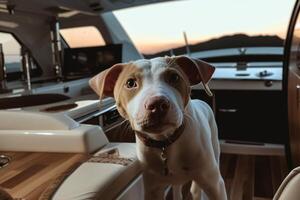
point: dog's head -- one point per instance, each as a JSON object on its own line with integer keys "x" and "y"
{"x": 152, "y": 94}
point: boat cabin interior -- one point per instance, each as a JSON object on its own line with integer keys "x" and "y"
{"x": 59, "y": 141}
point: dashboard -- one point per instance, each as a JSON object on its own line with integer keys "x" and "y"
{"x": 247, "y": 102}
{"x": 253, "y": 76}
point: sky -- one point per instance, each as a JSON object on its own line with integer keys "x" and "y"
{"x": 160, "y": 26}
{"x": 11, "y": 47}
{"x": 89, "y": 36}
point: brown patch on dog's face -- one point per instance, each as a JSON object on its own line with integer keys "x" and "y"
{"x": 128, "y": 85}
{"x": 195, "y": 70}
{"x": 176, "y": 78}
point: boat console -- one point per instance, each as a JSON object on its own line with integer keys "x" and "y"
{"x": 60, "y": 143}
{"x": 47, "y": 132}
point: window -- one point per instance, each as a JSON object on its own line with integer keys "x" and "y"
{"x": 13, "y": 59}
{"x": 85, "y": 36}
{"x": 12, "y": 53}
{"x": 158, "y": 29}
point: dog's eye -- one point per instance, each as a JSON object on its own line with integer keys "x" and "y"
{"x": 173, "y": 78}
{"x": 131, "y": 83}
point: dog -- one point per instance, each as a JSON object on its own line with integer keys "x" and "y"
{"x": 177, "y": 138}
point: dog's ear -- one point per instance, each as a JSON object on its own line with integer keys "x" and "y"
{"x": 103, "y": 83}
{"x": 196, "y": 70}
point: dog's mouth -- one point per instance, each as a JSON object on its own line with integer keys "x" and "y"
{"x": 154, "y": 126}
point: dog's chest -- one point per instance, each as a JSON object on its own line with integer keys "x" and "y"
{"x": 186, "y": 156}
{"x": 182, "y": 160}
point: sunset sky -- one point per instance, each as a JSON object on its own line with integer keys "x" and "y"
{"x": 160, "y": 26}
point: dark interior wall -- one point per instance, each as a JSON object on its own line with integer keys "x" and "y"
{"x": 33, "y": 31}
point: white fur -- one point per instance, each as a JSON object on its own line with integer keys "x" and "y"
{"x": 197, "y": 150}
{"x": 193, "y": 156}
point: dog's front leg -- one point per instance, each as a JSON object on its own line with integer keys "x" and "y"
{"x": 214, "y": 191}
{"x": 213, "y": 185}
{"x": 154, "y": 189}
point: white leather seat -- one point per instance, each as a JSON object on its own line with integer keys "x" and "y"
{"x": 28, "y": 131}
{"x": 290, "y": 187}
{"x": 105, "y": 181}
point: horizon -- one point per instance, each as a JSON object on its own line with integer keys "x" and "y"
{"x": 191, "y": 16}
{"x": 214, "y": 38}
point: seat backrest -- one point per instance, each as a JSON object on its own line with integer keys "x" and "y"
{"x": 290, "y": 187}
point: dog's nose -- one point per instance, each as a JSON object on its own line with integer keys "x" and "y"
{"x": 157, "y": 104}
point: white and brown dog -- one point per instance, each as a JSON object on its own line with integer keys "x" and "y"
{"x": 177, "y": 139}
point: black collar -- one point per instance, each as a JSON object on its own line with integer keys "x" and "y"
{"x": 149, "y": 142}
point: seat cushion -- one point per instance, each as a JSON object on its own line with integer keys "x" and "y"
{"x": 290, "y": 187}
{"x": 102, "y": 177}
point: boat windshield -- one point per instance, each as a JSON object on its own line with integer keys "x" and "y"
{"x": 83, "y": 36}
{"x": 169, "y": 27}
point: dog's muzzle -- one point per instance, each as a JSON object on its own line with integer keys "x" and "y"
{"x": 154, "y": 113}
{"x": 157, "y": 105}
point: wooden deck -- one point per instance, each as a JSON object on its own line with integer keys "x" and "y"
{"x": 250, "y": 177}
{"x": 246, "y": 177}
{"x": 29, "y": 174}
